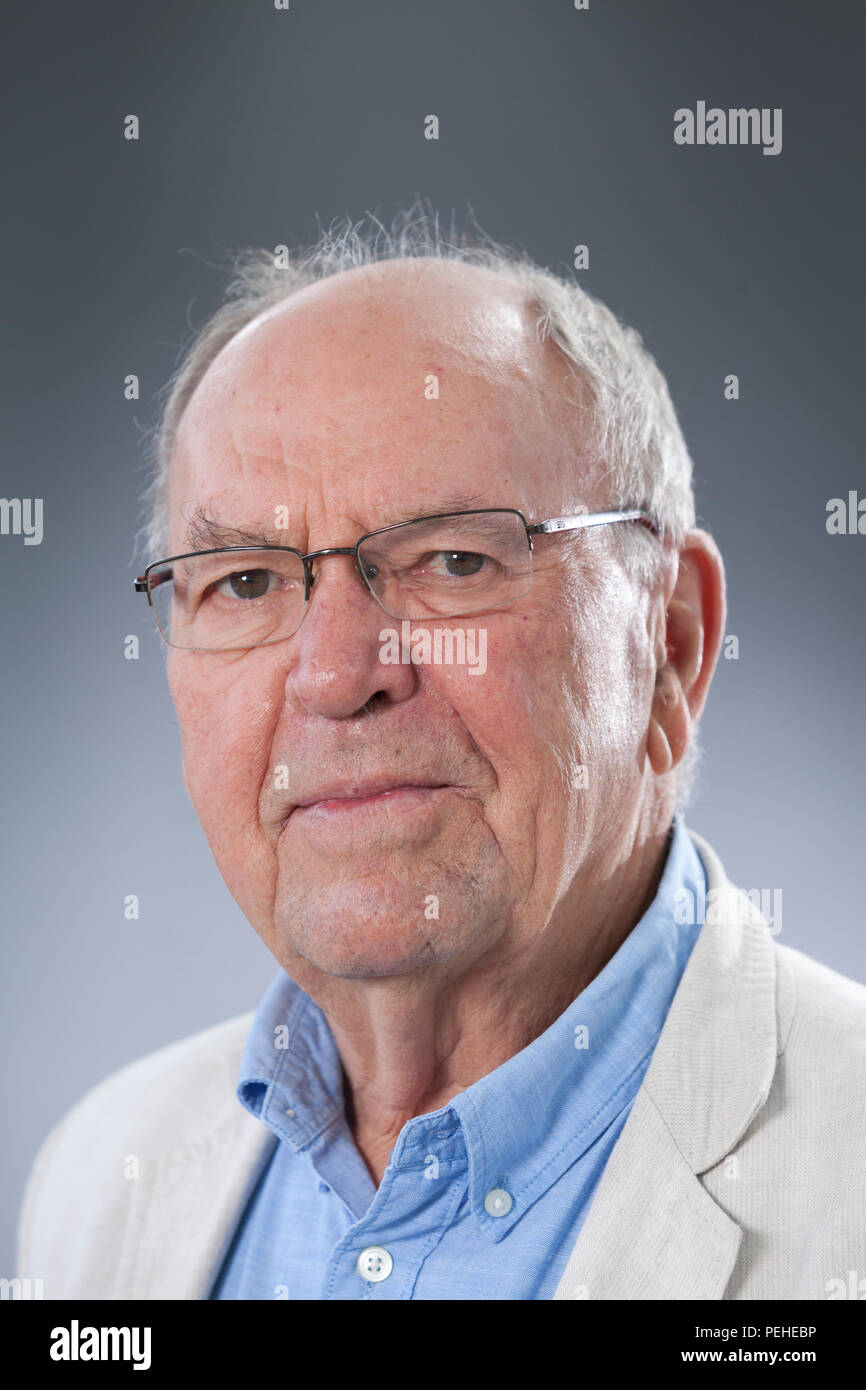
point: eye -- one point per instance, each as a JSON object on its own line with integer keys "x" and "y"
{"x": 246, "y": 584}
{"x": 459, "y": 564}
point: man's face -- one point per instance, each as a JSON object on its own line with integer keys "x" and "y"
{"x": 517, "y": 782}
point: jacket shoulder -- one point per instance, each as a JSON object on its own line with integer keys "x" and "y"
{"x": 819, "y": 1011}
{"x": 822, "y": 1014}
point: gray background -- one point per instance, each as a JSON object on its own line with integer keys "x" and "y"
{"x": 557, "y": 128}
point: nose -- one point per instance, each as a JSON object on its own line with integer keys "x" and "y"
{"x": 337, "y": 669}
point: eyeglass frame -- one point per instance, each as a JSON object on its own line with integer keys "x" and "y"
{"x": 580, "y": 521}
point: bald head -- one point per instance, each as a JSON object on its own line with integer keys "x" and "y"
{"x": 396, "y": 369}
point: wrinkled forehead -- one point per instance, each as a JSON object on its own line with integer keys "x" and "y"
{"x": 380, "y": 381}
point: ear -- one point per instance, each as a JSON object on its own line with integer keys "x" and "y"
{"x": 694, "y": 627}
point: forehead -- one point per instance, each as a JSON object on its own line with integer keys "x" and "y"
{"x": 375, "y": 383}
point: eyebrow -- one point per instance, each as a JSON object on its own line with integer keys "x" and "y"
{"x": 204, "y": 533}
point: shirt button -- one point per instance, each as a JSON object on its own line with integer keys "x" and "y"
{"x": 498, "y": 1202}
{"x": 374, "y": 1264}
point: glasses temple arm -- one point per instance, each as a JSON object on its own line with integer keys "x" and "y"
{"x": 157, "y": 577}
{"x": 584, "y": 519}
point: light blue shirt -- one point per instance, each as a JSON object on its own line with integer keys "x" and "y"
{"x": 483, "y": 1198}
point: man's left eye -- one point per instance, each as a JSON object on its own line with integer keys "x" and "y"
{"x": 459, "y": 564}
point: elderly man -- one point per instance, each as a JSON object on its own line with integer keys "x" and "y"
{"x": 507, "y": 1055}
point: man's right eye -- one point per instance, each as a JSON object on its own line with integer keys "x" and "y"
{"x": 245, "y": 584}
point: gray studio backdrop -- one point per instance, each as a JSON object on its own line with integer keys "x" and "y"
{"x": 556, "y": 127}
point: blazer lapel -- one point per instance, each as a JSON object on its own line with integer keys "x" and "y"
{"x": 653, "y": 1230}
{"x": 186, "y": 1206}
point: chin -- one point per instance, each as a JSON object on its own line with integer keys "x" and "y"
{"x": 369, "y": 929}
{"x": 355, "y": 950}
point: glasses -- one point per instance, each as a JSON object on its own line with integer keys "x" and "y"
{"x": 446, "y": 566}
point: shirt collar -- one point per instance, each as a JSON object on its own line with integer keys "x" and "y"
{"x": 291, "y": 1075}
{"x": 529, "y": 1119}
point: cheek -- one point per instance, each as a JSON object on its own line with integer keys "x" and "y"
{"x": 513, "y": 711}
{"x": 604, "y": 656}
{"x": 226, "y": 717}
{"x": 566, "y": 695}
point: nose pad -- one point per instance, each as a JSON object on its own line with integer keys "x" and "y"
{"x": 311, "y": 575}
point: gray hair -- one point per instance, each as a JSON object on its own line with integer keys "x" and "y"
{"x": 632, "y": 432}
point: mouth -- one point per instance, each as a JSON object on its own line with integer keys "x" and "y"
{"x": 385, "y": 801}
{"x": 357, "y": 796}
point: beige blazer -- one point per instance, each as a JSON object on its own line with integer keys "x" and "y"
{"x": 739, "y": 1173}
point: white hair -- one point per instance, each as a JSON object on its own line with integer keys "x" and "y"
{"x": 633, "y": 434}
